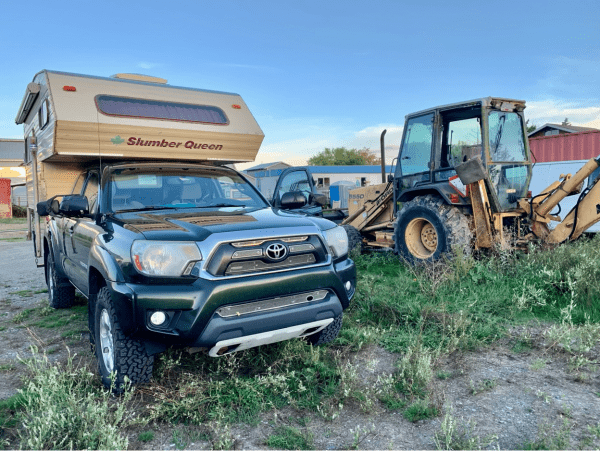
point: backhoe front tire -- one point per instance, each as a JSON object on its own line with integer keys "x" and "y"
{"x": 427, "y": 228}
{"x": 61, "y": 293}
{"x": 117, "y": 353}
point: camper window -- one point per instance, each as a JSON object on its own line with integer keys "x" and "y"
{"x": 154, "y": 109}
{"x": 44, "y": 115}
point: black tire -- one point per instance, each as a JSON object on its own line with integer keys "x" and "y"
{"x": 427, "y": 228}
{"x": 354, "y": 238}
{"x": 328, "y": 334}
{"x": 115, "y": 351}
{"x": 61, "y": 293}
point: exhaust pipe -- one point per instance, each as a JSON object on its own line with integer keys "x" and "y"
{"x": 381, "y": 140}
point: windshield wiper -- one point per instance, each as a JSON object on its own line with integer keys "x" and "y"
{"x": 149, "y": 207}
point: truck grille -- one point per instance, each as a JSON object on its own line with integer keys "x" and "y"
{"x": 261, "y": 256}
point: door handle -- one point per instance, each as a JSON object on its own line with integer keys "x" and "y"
{"x": 71, "y": 230}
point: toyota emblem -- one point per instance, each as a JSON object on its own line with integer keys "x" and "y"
{"x": 276, "y": 251}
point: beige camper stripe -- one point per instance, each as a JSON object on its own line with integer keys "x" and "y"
{"x": 76, "y": 136}
{"x": 89, "y": 138}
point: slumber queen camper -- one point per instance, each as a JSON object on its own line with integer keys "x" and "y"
{"x": 169, "y": 246}
{"x": 73, "y": 120}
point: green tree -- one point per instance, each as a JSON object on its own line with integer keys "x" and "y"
{"x": 340, "y": 156}
{"x": 531, "y": 127}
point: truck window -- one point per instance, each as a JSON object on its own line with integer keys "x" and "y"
{"x": 131, "y": 189}
{"x": 91, "y": 191}
{"x": 78, "y": 184}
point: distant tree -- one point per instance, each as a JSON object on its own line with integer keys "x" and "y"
{"x": 340, "y": 156}
{"x": 531, "y": 127}
{"x": 566, "y": 121}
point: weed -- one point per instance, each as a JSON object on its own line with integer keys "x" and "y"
{"x": 286, "y": 437}
{"x": 146, "y": 436}
{"x": 222, "y": 438}
{"x": 443, "y": 375}
{"x": 538, "y": 364}
{"x": 9, "y": 411}
{"x": 6, "y": 367}
{"x": 360, "y": 434}
{"x": 178, "y": 439}
{"x": 64, "y": 409}
{"x": 23, "y": 315}
{"x": 594, "y": 430}
{"x": 482, "y": 385}
{"x": 543, "y": 395}
{"x": 415, "y": 371}
{"x": 23, "y": 293}
{"x": 45, "y": 290}
{"x": 552, "y": 436}
{"x": 455, "y": 434}
{"x": 421, "y": 409}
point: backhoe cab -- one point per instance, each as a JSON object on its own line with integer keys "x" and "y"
{"x": 463, "y": 178}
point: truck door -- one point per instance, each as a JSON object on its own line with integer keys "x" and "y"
{"x": 298, "y": 180}
{"x": 79, "y": 236}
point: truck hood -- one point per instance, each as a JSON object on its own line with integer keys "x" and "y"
{"x": 197, "y": 225}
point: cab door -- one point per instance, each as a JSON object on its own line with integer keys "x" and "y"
{"x": 80, "y": 233}
{"x": 298, "y": 180}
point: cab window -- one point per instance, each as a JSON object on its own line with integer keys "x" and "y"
{"x": 91, "y": 192}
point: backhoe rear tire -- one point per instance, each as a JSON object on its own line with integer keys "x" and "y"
{"x": 426, "y": 229}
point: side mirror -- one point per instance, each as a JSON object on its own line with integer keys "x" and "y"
{"x": 75, "y": 205}
{"x": 390, "y": 178}
{"x": 48, "y": 207}
{"x": 294, "y": 199}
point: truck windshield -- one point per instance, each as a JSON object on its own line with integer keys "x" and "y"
{"x": 166, "y": 188}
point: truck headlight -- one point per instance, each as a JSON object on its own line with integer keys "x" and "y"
{"x": 337, "y": 240}
{"x": 160, "y": 258}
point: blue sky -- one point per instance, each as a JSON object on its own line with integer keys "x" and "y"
{"x": 320, "y": 74}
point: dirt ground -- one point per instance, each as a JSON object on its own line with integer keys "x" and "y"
{"x": 513, "y": 395}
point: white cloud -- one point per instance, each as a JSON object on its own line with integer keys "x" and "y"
{"x": 369, "y": 137}
{"x": 555, "y": 111}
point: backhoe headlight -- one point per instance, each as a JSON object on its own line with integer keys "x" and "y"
{"x": 163, "y": 258}
{"x": 337, "y": 240}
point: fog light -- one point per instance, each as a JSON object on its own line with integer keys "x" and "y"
{"x": 158, "y": 318}
{"x": 348, "y": 285}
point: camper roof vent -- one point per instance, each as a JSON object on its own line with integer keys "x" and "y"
{"x": 139, "y": 77}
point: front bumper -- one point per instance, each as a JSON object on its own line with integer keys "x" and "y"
{"x": 192, "y": 310}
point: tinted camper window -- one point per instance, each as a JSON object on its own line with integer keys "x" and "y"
{"x": 44, "y": 114}
{"x": 154, "y": 109}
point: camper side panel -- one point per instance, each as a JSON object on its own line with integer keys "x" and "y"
{"x": 83, "y": 128}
